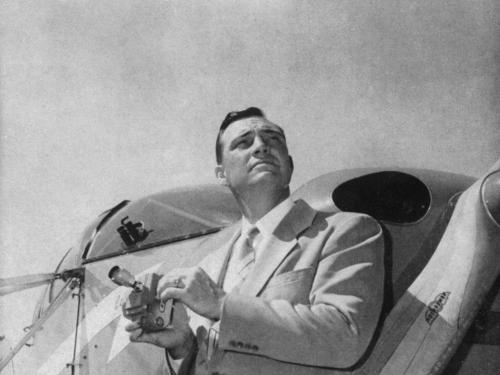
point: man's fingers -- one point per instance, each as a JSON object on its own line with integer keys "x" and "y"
{"x": 134, "y": 311}
{"x": 169, "y": 282}
{"x": 132, "y": 326}
{"x": 169, "y": 293}
{"x": 137, "y": 336}
{"x": 135, "y": 330}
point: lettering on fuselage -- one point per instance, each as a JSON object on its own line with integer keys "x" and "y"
{"x": 435, "y": 307}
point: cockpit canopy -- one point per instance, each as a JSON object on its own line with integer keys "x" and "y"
{"x": 159, "y": 219}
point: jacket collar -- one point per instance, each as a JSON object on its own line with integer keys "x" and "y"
{"x": 277, "y": 246}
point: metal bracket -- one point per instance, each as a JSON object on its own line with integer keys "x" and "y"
{"x": 75, "y": 273}
{"x": 132, "y": 233}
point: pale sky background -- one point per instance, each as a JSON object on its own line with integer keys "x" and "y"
{"x": 102, "y": 101}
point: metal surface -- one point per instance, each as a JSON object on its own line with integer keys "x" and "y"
{"x": 18, "y": 283}
{"x": 38, "y": 324}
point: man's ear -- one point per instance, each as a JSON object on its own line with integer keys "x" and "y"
{"x": 291, "y": 163}
{"x": 220, "y": 175}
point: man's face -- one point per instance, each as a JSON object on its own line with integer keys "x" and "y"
{"x": 254, "y": 153}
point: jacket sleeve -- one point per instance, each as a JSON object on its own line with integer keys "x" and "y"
{"x": 336, "y": 326}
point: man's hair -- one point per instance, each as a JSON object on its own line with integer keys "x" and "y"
{"x": 228, "y": 120}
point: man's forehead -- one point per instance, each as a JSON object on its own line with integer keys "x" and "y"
{"x": 251, "y": 123}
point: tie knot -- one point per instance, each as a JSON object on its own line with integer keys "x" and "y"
{"x": 251, "y": 235}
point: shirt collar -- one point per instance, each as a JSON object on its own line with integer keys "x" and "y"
{"x": 270, "y": 221}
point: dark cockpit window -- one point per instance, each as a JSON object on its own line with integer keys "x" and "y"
{"x": 390, "y": 196}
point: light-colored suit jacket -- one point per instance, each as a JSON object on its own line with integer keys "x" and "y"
{"x": 311, "y": 303}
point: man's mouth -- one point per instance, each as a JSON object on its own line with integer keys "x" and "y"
{"x": 263, "y": 162}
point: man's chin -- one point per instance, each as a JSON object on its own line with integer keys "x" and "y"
{"x": 267, "y": 179}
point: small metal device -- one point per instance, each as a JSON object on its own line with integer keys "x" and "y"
{"x": 132, "y": 233}
{"x": 141, "y": 303}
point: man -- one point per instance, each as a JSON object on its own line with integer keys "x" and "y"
{"x": 294, "y": 291}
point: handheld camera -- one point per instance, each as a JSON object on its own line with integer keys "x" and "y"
{"x": 141, "y": 303}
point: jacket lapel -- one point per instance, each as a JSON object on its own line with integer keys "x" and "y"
{"x": 216, "y": 263}
{"x": 278, "y": 246}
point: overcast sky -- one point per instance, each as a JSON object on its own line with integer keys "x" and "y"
{"x": 102, "y": 101}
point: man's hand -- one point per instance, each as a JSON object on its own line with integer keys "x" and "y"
{"x": 178, "y": 338}
{"x": 195, "y": 289}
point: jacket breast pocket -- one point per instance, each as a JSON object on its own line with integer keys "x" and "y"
{"x": 293, "y": 286}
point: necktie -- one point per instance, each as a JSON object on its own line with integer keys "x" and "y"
{"x": 243, "y": 259}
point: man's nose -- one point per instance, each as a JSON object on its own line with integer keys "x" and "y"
{"x": 260, "y": 145}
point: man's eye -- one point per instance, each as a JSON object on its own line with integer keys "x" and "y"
{"x": 241, "y": 143}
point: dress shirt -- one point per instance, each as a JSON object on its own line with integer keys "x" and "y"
{"x": 266, "y": 226}
{"x": 268, "y": 223}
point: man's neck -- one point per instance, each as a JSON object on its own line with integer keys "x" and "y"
{"x": 255, "y": 206}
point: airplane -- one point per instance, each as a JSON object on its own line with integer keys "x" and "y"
{"x": 441, "y": 311}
